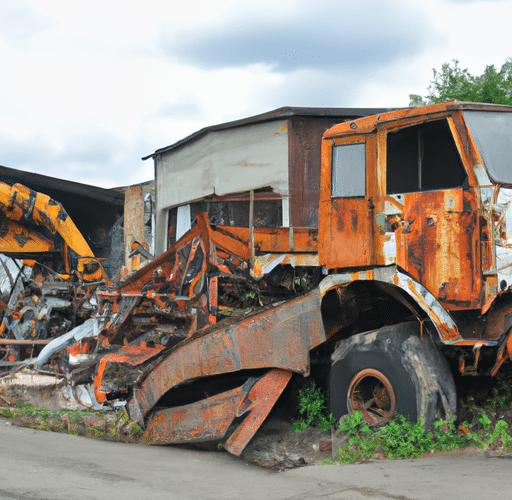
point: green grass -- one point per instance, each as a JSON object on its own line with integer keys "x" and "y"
{"x": 399, "y": 438}
{"x": 115, "y": 426}
{"x": 312, "y": 408}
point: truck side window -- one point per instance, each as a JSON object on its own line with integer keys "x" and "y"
{"x": 348, "y": 170}
{"x": 423, "y": 158}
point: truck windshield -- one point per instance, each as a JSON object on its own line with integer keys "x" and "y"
{"x": 492, "y": 132}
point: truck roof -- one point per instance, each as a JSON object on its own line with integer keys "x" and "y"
{"x": 370, "y": 123}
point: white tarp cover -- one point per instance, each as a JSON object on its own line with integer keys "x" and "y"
{"x": 223, "y": 162}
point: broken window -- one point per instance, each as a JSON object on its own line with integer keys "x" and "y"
{"x": 348, "y": 170}
{"x": 423, "y": 158}
{"x": 229, "y": 212}
{"x": 492, "y": 133}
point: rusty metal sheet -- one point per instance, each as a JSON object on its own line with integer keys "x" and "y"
{"x": 497, "y": 321}
{"x": 346, "y": 241}
{"x": 278, "y": 239}
{"x": 261, "y": 399}
{"x": 440, "y": 248}
{"x": 211, "y": 418}
{"x": 345, "y": 229}
{"x": 204, "y": 420}
{"x": 280, "y": 337}
{"x": 441, "y": 319}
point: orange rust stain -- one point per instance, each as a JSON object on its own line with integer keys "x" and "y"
{"x": 79, "y": 348}
{"x": 509, "y": 346}
{"x": 98, "y": 391}
{"x": 469, "y": 343}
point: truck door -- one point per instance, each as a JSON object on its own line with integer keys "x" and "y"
{"x": 345, "y": 226}
{"x": 435, "y": 225}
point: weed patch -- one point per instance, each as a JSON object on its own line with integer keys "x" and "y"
{"x": 396, "y": 440}
{"x": 115, "y": 426}
{"x": 491, "y": 435}
{"x": 312, "y": 409}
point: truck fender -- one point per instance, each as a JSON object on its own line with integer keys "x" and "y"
{"x": 441, "y": 319}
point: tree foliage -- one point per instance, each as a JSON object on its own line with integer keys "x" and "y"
{"x": 452, "y": 82}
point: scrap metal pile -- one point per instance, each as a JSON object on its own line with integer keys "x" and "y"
{"x": 71, "y": 338}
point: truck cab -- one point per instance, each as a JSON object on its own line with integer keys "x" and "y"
{"x": 427, "y": 190}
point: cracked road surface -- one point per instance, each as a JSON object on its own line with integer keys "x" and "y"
{"x": 40, "y": 465}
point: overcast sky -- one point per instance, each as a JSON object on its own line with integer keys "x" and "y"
{"x": 88, "y": 88}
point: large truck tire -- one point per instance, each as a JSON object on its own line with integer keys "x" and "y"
{"x": 391, "y": 371}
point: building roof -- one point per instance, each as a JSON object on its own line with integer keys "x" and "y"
{"x": 277, "y": 114}
{"x": 56, "y": 188}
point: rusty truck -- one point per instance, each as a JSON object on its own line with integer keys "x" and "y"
{"x": 405, "y": 281}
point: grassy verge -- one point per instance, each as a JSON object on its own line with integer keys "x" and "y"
{"x": 488, "y": 428}
{"x": 112, "y": 425}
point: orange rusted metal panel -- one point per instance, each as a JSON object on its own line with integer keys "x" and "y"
{"x": 277, "y": 240}
{"x": 235, "y": 245}
{"x": 345, "y": 229}
{"x": 350, "y": 239}
{"x": 260, "y": 400}
{"x": 440, "y": 246}
{"x": 204, "y": 420}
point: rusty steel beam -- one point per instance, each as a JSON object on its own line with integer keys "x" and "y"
{"x": 276, "y": 239}
{"x": 261, "y": 399}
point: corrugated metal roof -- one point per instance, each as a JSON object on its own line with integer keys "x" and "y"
{"x": 280, "y": 113}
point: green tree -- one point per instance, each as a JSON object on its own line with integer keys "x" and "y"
{"x": 453, "y": 82}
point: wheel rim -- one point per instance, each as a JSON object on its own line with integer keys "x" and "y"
{"x": 371, "y": 393}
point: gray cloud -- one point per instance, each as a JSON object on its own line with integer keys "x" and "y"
{"x": 91, "y": 147}
{"x": 183, "y": 108}
{"x": 18, "y": 22}
{"x": 326, "y": 33}
{"x": 315, "y": 87}
{"x": 89, "y": 157}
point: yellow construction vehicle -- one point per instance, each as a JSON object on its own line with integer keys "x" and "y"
{"x": 50, "y": 268}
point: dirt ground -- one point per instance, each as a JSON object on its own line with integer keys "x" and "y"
{"x": 275, "y": 446}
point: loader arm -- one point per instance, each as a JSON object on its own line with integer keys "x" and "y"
{"x": 33, "y": 222}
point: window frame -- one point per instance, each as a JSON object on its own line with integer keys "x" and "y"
{"x": 361, "y": 182}
{"x": 420, "y": 163}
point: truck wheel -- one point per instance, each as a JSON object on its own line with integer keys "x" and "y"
{"x": 391, "y": 371}
{"x": 374, "y": 384}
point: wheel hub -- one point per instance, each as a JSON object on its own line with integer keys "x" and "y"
{"x": 371, "y": 393}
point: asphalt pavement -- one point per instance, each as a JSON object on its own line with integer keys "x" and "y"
{"x": 37, "y": 465}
